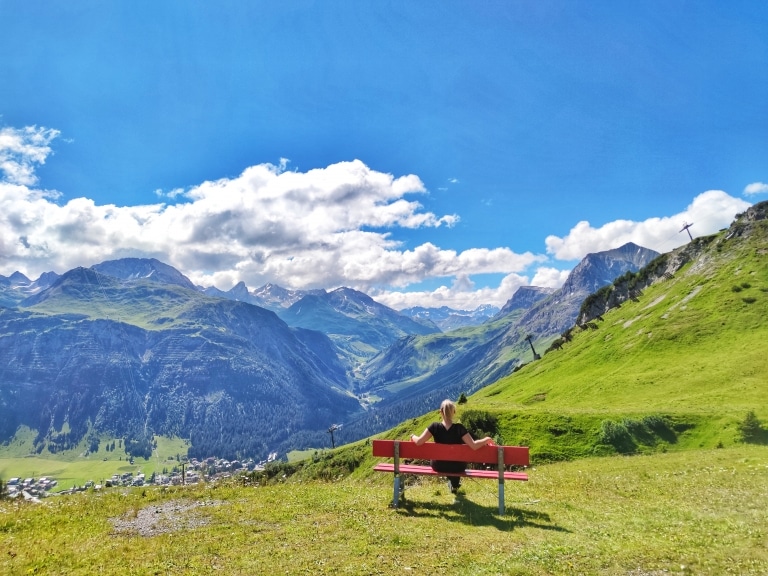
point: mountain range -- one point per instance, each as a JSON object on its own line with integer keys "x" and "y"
{"x": 448, "y": 319}
{"x": 132, "y": 349}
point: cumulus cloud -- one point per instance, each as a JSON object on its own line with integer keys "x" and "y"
{"x": 22, "y": 150}
{"x": 709, "y": 212}
{"x": 550, "y": 277}
{"x": 756, "y": 188}
{"x": 461, "y": 295}
{"x": 324, "y": 228}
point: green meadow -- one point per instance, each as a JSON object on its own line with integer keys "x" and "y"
{"x": 689, "y": 512}
{"x": 76, "y": 467}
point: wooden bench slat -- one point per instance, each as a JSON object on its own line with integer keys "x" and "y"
{"x": 428, "y": 471}
{"x": 513, "y": 455}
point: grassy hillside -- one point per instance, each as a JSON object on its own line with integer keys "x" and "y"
{"x": 676, "y": 368}
{"x": 690, "y": 349}
{"x": 696, "y": 512}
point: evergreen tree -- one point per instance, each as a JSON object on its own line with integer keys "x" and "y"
{"x": 750, "y": 428}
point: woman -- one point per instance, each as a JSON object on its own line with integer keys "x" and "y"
{"x": 449, "y": 432}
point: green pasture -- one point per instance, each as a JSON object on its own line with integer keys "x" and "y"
{"x": 692, "y": 512}
{"x": 74, "y": 468}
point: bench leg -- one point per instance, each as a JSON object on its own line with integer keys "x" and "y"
{"x": 396, "y": 496}
{"x": 501, "y": 498}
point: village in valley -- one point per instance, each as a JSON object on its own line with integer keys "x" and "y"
{"x": 185, "y": 472}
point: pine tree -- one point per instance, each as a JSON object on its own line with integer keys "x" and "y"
{"x": 750, "y": 428}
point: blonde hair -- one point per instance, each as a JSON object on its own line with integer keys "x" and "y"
{"x": 447, "y": 409}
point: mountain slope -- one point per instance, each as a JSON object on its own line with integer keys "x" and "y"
{"x": 418, "y": 372}
{"x": 358, "y": 325}
{"x": 560, "y": 311}
{"x": 460, "y": 357}
{"x": 687, "y": 348}
{"x": 131, "y": 269}
{"x": 269, "y": 296}
{"x": 95, "y": 354}
{"x": 17, "y": 287}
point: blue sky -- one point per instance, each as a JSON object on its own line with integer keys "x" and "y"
{"x": 428, "y": 153}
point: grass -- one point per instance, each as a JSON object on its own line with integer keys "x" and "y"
{"x": 695, "y": 512}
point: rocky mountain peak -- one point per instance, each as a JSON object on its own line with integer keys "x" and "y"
{"x": 600, "y": 268}
{"x": 240, "y": 292}
{"x": 131, "y": 269}
{"x": 525, "y": 297}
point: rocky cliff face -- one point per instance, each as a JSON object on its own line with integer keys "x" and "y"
{"x": 524, "y": 298}
{"x": 560, "y": 311}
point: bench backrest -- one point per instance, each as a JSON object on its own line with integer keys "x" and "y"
{"x": 513, "y": 455}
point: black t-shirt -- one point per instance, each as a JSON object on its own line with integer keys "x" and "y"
{"x": 452, "y": 435}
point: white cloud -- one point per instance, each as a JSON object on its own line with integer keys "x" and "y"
{"x": 550, "y": 277}
{"x": 21, "y": 150}
{"x": 756, "y": 188}
{"x": 461, "y": 295}
{"x": 327, "y": 227}
{"x": 709, "y": 212}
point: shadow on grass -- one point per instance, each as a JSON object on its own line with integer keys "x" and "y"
{"x": 759, "y": 438}
{"x": 467, "y": 512}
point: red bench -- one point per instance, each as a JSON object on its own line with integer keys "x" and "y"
{"x": 498, "y": 456}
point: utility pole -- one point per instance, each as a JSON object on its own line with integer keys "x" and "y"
{"x": 535, "y": 355}
{"x": 331, "y": 430}
{"x": 685, "y": 227}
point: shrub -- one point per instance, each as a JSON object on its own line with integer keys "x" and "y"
{"x": 660, "y": 427}
{"x": 480, "y": 423}
{"x": 617, "y": 435}
{"x": 557, "y": 344}
{"x": 462, "y": 398}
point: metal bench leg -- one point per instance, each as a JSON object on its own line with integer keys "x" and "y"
{"x": 500, "y": 465}
{"x": 396, "y": 496}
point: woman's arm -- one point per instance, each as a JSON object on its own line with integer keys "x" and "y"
{"x": 475, "y": 444}
{"x": 419, "y": 440}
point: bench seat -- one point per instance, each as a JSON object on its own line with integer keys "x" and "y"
{"x": 428, "y": 471}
